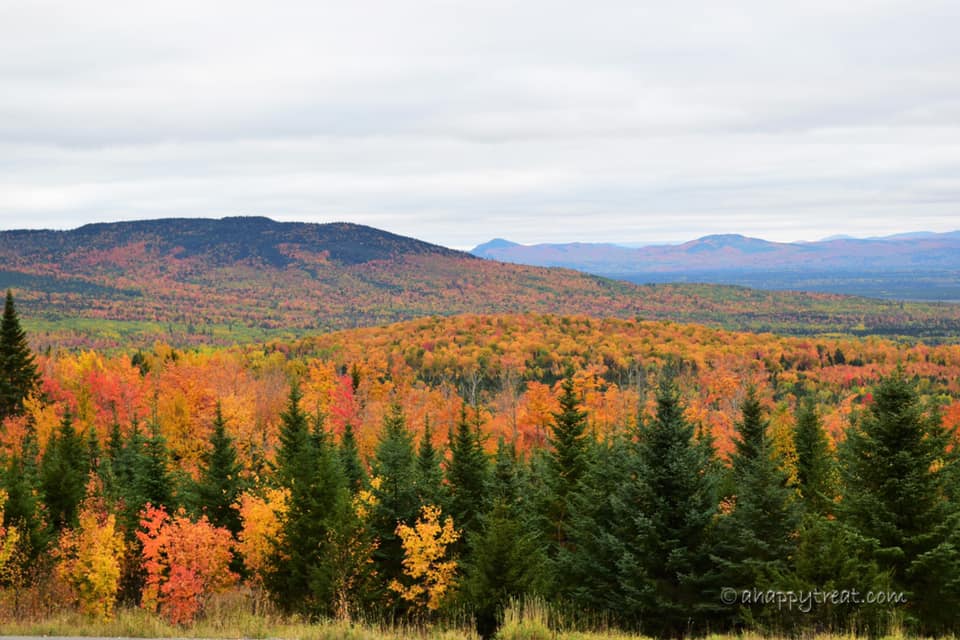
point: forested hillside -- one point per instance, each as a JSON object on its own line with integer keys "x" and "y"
{"x": 234, "y": 280}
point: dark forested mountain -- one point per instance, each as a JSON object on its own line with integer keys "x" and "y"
{"x": 202, "y": 280}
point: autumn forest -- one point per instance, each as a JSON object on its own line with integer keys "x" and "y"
{"x": 444, "y": 468}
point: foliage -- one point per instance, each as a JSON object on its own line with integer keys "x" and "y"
{"x": 427, "y": 567}
{"x": 186, "y": 563}
{"x": 18, "y": 371}
{"x": 90, "y": 557}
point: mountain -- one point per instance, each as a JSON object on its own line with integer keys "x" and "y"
{"x": 731, "y": 252}
{"x": 193, "y": 281}
{"x": 910, "y": 266}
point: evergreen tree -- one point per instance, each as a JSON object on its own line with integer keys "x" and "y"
{"x": 814, "y": 463}
{"x": 567, "y": 463}
{"x": 350, "y": 459}
{"x": 63, "y": 474}
{"x": 220, "y": 483}
{"x": 21, "y": 481}
{"x": 18, "y": 372}
{"x": 304, "y": 578}
{"x": 894, "y": 469}
{"x": 505, "y": 484}
{"x": 505, "y": 564}
{"x": 467, "y": 476}
{"x": 152, "y": 474}
{"x": 393, "y": 480}
{"x": 677, "y": 493}
{"x": 601, "y": 530}
{"x": 756, "y": 540}
{"x": 429, "y": 477}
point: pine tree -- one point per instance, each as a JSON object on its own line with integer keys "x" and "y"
{"x": 350, "y": 459}
{"x": 220, "y": 482}
{"x": 567, "y": 463}
{"x": 21, "y": 481}
{"x": 152, "y": 474}
{"x": 678, "y": 494}
{"x": 63, "y": 473}
{"x": 505, "y": 483}
{"x": 814, "y": 463}
{"x": 429, "y": 474}
{"x": 393, "y": 480}
{"x": 467, "y": 476}
{"x": 309, "y": 468}
{"x": 18, "y": 371}
{"x": 894, "y": 469}
{"x": 756, "y": 540}
{"x": 505, "y": 564}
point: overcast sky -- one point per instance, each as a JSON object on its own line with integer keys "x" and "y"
{"x": 455, "y": 122}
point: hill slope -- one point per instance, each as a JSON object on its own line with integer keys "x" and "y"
{"x": 237, "y": 279}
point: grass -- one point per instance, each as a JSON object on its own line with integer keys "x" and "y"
{"x": 230, "y": 618}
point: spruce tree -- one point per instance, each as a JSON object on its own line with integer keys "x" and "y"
{"x": 567, "y": 462}
{"x": 895, "y": 466}
{"x": 21, "y": 481}
{"x": 505, "y": 480}
{"x": 220, "y": 482}
{"x": 467, "y": 476}
{"x": 814, "y": 462}
{"x": 63, "y": 474}
{"x": 309, "y": 468}
{"x": 350, "y": 459}
{"x": 18, "y": 371}
{"x": 429, "y": 477}
{"x": 677, "y": 494}
{"x": 393, "y": 480}
{"x": 152, "y": 473}
{"x": 756, "y": 540}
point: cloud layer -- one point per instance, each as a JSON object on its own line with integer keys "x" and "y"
{"x": 458, "y": 121}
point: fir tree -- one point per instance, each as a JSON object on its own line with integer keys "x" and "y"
{"x": 467, "y": 476}
{"x": 429, "y": 477}
{"x": 394, "y": 488}
{"x": 814, "y": 464}
{"x": 350, "y": 459}
{"x": 677, "y": 493}
{"x": 567, "y": 462}
{"x": 304, "y": 579}
{"x": 63, "y": 474}
{"x": 505, "y": 483}
{"x": 757, "y": 539}
{"x": 220, "y": 482}
{"x": 21, "y": 480}
{"x": 18, "y": 372}
{"x": 505, "y": 565}
{"x": 894, "y": 475}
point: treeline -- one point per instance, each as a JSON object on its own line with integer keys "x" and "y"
{"x": 644, "y": 527}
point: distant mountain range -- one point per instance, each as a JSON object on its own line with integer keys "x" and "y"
{"x": 191, "y": 281}
{"x": 732, "y": 252}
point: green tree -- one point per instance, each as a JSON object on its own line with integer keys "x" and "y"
{"x": 21, "y": 480}
{"x": 63, "y": 474}
{"x": 429, "y": 477}
{"x": 467, "y": 475}
{"x": 567, "y": 462}
{"x": 394, "y": 469}
{"x": 894, "y": 468}
{"x": 677, "y": 493}
{"x": 815, "y": 473}
{"x": 304, "y": 577}
{"x": 756, "y": 540}
{"x": 220, "y": 482}
{"x": 18, "y": 371}
{"x": 350, "y": 459}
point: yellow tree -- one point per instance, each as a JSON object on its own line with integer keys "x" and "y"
{"x": 261, "y": 517}
{"x": 9, "y": 536}
{"x": 90, "y": 557}
{"x": 425, "y": 562}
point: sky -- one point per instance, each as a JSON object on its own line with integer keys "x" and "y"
{"x": 456, "y": 122}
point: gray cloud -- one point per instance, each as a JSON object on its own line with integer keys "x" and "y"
{"x": 458, "y": 121}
